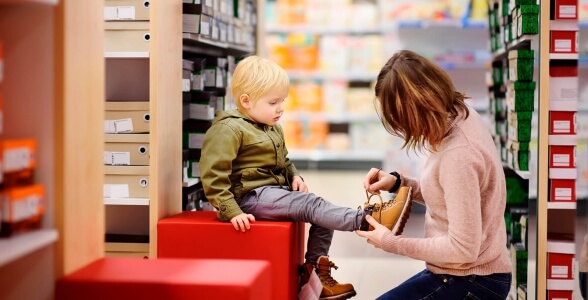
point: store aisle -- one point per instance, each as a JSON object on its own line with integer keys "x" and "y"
{"x": 371, "y": 271}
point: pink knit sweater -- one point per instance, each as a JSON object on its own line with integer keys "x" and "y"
{"x": 463, "y": 187}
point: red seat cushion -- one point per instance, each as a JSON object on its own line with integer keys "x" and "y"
{"x": 201, "y": 235}
{"x": 133, "y": 278}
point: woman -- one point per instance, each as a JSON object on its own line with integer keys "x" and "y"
{"x": 461, "y": 184}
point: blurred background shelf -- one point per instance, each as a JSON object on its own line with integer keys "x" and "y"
{"x": 23, "y": 244}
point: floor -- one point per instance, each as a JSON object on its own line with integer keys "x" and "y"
{"x": 371, "y": 271}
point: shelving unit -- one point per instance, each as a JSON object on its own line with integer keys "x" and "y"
{"x": 47, "y": 107}
{"x": 334, "y": 62}
{"x": 209, "y": 58}
{"x": 136, "y": 75}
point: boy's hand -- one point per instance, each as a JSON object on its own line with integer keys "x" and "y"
{"x": 242, "y": 221}
{"x": 298, "y": 184}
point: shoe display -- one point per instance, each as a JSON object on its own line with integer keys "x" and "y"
{"x": 393, "y": 214}
{"x": 332, "y": 290}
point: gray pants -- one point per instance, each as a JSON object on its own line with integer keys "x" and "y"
{"x": 272, "y": 203}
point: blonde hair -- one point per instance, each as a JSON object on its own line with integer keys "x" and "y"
{"x": 417, "y": 100}
{"x": 256, "y": 76}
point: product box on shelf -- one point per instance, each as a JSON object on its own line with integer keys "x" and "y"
{"x": 126, "y": 182}
{"x": 562, "y": 122}
{"x": 562, "y": 190}
{"x": 563, "y": 37}
{"x": 22, "y": 208}
{"x": 521, "y": 65}
{"x": 199, "y": 24}
{"x": 125, "y": 36}
{"x": 527, "y": 17}
{"x": 560, "y": 259}
{"x": 562, "y": 156}
{"x": 126, "y": 149}
{"x": 560, "y": 295}
{"x": 127, "y": 117}
{"x": 131, "y": 10}
{"x": 564, "y": 10}
{"x": 563, "y": 84}
{"x": 19, "y": 161}
{"x": 520, "y": 96}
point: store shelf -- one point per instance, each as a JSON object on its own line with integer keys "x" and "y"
{"x": 326, "y": 155}
{"x": 126, "y": 54}
{"x": 194, "y": 43}
{"x": 564, "y": 56}
{"x": 23, "y": 244}
{"x": 561, "y": 205}
{"x": 331, "y": 117}
{"x": 323, "y": 30}
{"x": 22, "y": 2}
{"x": 461, "y": 24}
{"x": 126, "y": 201}
{"x": 326, "y": 75}
{"x": 521, "y": 42}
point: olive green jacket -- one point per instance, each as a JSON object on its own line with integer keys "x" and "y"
{"x": 238, "y": 156}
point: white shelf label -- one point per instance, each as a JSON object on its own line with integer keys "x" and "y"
{"x": 567, "y": 11}
{"x": 563, "y": 46}
{"x": 116, "y": 191}
{"x": 17, "y": 159}
{"x": 563, "y": 194}
{"x": 118, "y": 126}
{"x": 559, "y": 271}
{"x": 195, "y": 140}
{"x": 561, "y": 126}
{"x": 117, "y": 158}
{"x": 561, "y": 160}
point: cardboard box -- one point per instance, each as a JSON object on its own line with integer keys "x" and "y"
{"x": 564, "y": 41}
{"x": 562, "y": 190}
{"x": 562, "y": 156}
{"x": 126, "y": 149}
{"x": 560, "y": 295}
{"x": 22, "y": 208}
{"x": 124, "y": 36}
{"x": 562, "y": 122}
{"x": 127, "y": 117}
{"x": 126, "y": 182}
{"x": 564, "y": 10}
{"x": 563, "y": 85}
{"x": 132, "y": 10}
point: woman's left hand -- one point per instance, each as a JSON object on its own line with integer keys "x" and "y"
{"x": 374, "y": 237}
{"x": 298, "y": 184}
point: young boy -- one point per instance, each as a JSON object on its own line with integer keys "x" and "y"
{"x": 246, "y": 173}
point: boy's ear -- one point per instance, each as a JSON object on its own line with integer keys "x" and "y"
{"x": 245, "y": 100}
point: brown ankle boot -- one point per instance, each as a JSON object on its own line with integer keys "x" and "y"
{"x": 392, "y": 214}
{"x": 332, "y": 290}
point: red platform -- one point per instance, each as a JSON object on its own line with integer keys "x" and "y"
{"x": 200, "y": 235}
{"x": 170, "y": 279}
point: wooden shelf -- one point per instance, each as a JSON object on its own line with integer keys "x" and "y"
{"x": 126, "y": 201}
{"x": 23, "y": 2}
{"x": 194, "y": 43}
{"x": 521, "y": 42}
{"x": 561, "y": 205}
{"x": 190, "y": 182}
{"x": 20, "y": 245}
{"x": 126, "y": 54}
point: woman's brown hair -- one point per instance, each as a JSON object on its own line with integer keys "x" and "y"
{"x": 417, "y": 100}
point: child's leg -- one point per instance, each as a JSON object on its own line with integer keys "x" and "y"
{"x": 275, "y": 203}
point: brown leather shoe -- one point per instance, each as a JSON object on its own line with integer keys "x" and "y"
{"x": 392, "y": 214}
{"x": 332, "y": 290}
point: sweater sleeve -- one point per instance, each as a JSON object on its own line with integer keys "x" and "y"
{"x": 459, "y": 173}
{"x": 414, "y": 185}
{"x": 220, "y": 148}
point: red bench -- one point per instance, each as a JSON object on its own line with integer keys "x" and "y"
{"x": 199, "y": 234}
{"x": 170, "y": 279}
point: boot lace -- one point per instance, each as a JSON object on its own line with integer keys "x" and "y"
{"x": 325, "y": 275}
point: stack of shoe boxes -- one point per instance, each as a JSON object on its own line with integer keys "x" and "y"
{"x": 127, "y": 127}
{"x": 22, "y": 201}
{"x": 220, "y": 21}
{"x": 563, "y": 106}
{"x": 208, "y": 90}
{"x": 511, "y": 79}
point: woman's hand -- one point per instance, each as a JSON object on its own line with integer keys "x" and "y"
{"x": 376, "y": 181}
{"x": 374, "y": 237}
{"x": 242, "y": 221}
{"x": 298, "y": 184}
